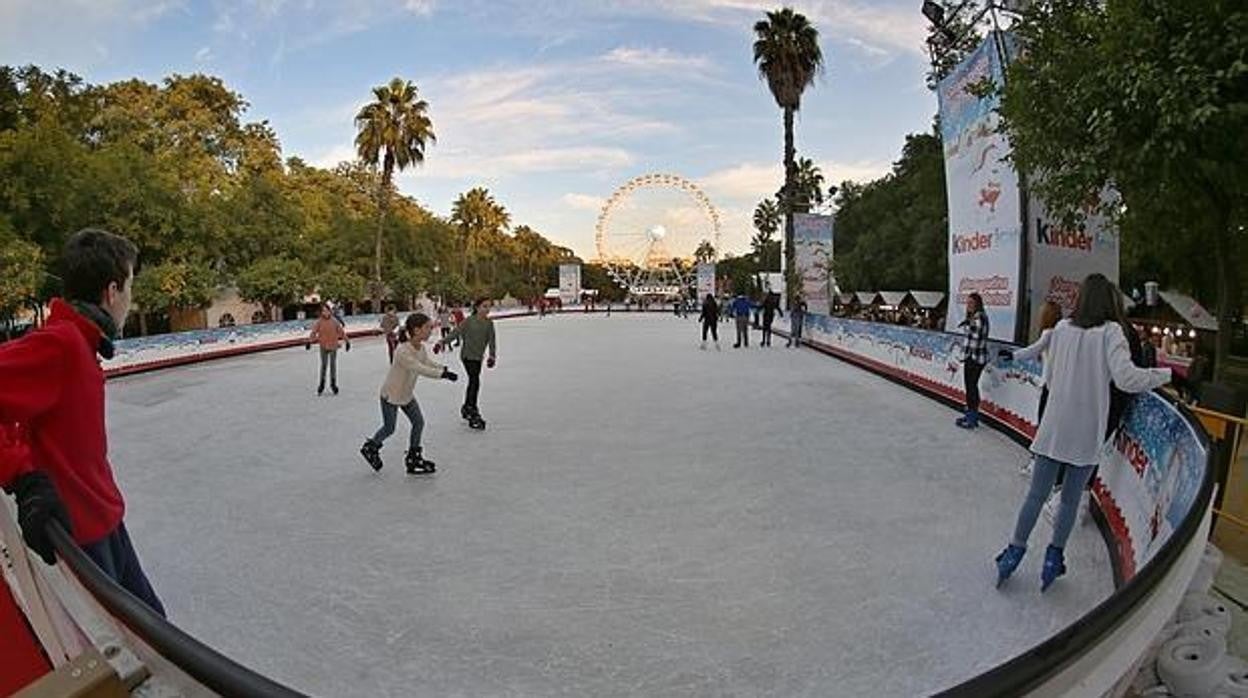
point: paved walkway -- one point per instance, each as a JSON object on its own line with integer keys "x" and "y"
{"x": 641, "y": 518}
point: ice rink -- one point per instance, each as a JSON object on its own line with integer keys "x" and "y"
{"x": 641, "y": 518}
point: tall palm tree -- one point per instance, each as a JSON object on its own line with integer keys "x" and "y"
{"x": 767, "y": 218}
{"x": 392, "y": 131}
{"x": 808, "y": 189}
{"x": 786, "y": 49}
{"x": 479, "y": 219}
{"x": 705, "y": 254}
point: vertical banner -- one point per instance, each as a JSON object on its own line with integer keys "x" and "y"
{"x": 985, "y": 224}
{"x": 706, "y": 280}
{"x": 569, "y": 283}
{"x": 812, "y": 243}
{"x": 1060, "y": 258}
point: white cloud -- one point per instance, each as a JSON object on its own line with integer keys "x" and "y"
{"x": 895, "y": 28}
{"x": 420, "y": 7}
{"x": 748, "y": 181}
{"x": 203, "y": 55}
{"x": 583, "y": 202}
{"x": 655, "y": 59}
{"x": 333, "y": 156}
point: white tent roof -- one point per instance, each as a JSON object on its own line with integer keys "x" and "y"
{"x": 893, "y": 298}
{"x": 1192, "y": 312}
{"x": 927, "y": 299}
{"x": 865, "y": 297}
{"x": 845, "y": 298}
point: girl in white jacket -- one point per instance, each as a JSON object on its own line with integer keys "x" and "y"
{"x": 411, "y": 359}
{"x": 1082, "y": 354}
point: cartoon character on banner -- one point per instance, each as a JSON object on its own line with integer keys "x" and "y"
{"x": 1160, "y": 526}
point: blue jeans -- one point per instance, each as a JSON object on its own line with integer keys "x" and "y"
{"x": 390, "y": 414}
{"x": 1043, "y": 474}
{"x": 115, "y": 555}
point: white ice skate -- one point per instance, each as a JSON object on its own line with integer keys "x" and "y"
{"x": 703, "y": 347}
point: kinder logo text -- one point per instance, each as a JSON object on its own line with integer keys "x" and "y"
{"x": 975, "y": 242}
{"x": 1132, "y": 452}
{"x": 1052, "y": 236}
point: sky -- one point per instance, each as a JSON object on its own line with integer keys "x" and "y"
{"x": 551, "y": 105}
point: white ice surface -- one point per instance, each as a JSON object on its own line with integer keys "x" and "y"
{"x": 640, "y": 519}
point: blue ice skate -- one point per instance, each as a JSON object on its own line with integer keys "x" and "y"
{"x": 1054, "y": 567}
{"x": 1008, "y": 561}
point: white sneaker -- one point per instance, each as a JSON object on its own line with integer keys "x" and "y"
{"x": 716, "y": 346}
{"x": 1024, "y": 471}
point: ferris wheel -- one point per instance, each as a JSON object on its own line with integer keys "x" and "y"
{"x": 649, "y": 231}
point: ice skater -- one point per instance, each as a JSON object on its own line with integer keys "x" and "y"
{"x": 741, "y": 312}
{"x": 327, "y": 332}
{"x": 797, "y": 318}
{"x": 51, "y": 383}
{"x": 444, "y": 320}
{"x": 390, "y": 327}
{"x": 1087, "y": 352}
{"x": 477, "y": 332}
{"x": 974, "y": 357}
{"x": 771, "y": 307}
{"x": 710, "y": 320}
{"x": 411, "y": 360}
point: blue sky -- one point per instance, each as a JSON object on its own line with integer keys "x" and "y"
{"x": 551, "y": 105}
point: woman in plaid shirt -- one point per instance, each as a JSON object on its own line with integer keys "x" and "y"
{"x": 974, "y": 357}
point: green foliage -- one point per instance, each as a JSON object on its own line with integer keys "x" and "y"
{"x": 174, "y": 286}
{"x": 274, "y": 281}
{"x": 409, "y": 282}
{"x": 340, "y": 284}
{"x": 891, "y": 233}
{"x": 786, "y": 49}
{"x": 21, "y": 274}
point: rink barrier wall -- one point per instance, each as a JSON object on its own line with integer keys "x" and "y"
{"x": 1165, "y": 438}
{"x": 1153, "y": 492}
{"x": 198, "y": 661}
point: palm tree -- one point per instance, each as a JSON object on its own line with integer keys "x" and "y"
{"x": 479, "y": 219}
{"x": 393, "y": 131}
{"x": 705, "y": 254}
{"x": 808, "y": 189}
{"x": 786, "y": 49}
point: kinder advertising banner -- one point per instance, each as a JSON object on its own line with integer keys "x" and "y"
{"x": 984, "y": 219}
{"x": 812, "y": 243}
{"x": 706, "y": 280}
{"x": 1060, "y": 258}
{"x": 569, "y": 283}
{"x": 1150, "y": 475}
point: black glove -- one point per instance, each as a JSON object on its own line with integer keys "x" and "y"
{"x": 348, "y": 346}
{"x": 37, "y": 505}
{"x": 307, "y": 346}
{"x": 1005, "y": 355}
{"x": 449, "y": 375}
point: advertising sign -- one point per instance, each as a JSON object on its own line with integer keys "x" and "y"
{"x": 706, "y": 279}
{"x": 569, "y": 283}
{"x": 812, "y": 244}
{"x": 1059, "y": 258}
{"x": 985, "y": 223}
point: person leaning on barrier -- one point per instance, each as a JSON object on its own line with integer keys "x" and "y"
{"x": 1087, "y": 352}
{"x": 51, "y": 382}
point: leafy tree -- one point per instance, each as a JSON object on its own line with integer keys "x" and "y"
{"x": 481, "y": 221}
{"x": 891, "y": 233}
{"x": 786, "y": 49}
{"x": 394, "y": 131}
{"x": 341, "y": 284}
{"x": 274, "y": 282}
{"x": 1152, "y": 99}
{"x": 21, "y": 276}
{"x": 409, "y": 283}
{"x": 808, "y": 192}
{"x": 171, "y": 286}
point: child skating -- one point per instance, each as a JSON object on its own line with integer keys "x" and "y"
{"x": 476, "y": 333}
{"x": 327, "y": 332}
{"x": 411, "y": 359}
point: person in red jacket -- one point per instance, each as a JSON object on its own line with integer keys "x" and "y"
{"x": 52, "y": 384}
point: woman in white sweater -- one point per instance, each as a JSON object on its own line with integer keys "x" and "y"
{"x": 1083, "y": 355}
{"x": 411, "y": 359}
